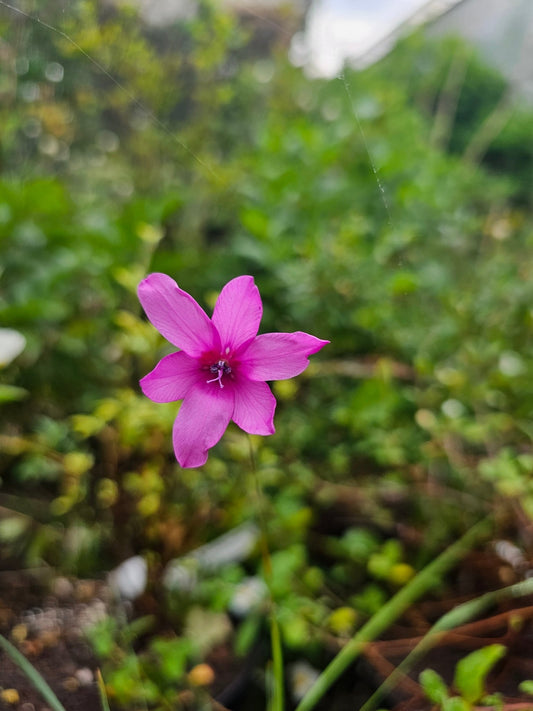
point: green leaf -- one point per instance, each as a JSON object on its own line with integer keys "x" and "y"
{"x": 13, "y": 527}
{"x": 455, "y": 703}
{"x": 526, "y": 687}
{"x": 247, "y": 634}
{"x": 495, "y": 701}
{"x": 11, "y": 393}
{"x": 136, "y": 628}
{"x": 434, "y": 687}
{"x": 472, "y": 671}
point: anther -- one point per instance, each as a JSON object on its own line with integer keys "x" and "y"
{"x": 221, "y": 368}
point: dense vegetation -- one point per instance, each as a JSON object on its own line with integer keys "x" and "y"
{"x": 371, "y": 212}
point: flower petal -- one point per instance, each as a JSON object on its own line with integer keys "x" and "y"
{"x": 203, "y": 417}
{"x": 172, "y": 377}
{"x": 276, "y": 356}
{"x": 238, "y": 312}
{"x": 176, "y": 315}
{"x": 254, "y": 407}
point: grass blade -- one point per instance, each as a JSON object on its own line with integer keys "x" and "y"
{"x": 427, "y": 578}
{"x": 102, "y": 691}
{"x": 32, "y": 674}
{"x": 460, "y": 615}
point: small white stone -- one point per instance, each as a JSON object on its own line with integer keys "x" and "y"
{"x": 12, "y": 343}
{"x": 181, "y": 575}
{"x": 302, "y": 676}
{"x": 130, "y": 578}
{"x": 510, "y": 553}
{"x": 249, "y": 594}
{"x": 84, "y": 676}
{"x": 232, "y": 547}
{"x": 62, "y": 588}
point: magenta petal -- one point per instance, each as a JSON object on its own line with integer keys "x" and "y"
{"x": 238, "y": 312}
{"x": 276, "y": 356}
{"x": 203, "y": 417}
{"x": 176, "y": 315}
{"x": 172, "y": 377}
{"x": 254, "y": 407}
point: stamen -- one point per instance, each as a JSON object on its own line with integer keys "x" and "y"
{"x": 221, "y": 368}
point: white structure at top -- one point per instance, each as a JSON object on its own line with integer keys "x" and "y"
{"x": 362, "y": 31}
{"x": 503, "y": 32}
{"x": 341, "y": 30}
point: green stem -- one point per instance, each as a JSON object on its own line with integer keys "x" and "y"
{"x": 277, "y": 663}
{"x": 460, "y": 615}
{"x": 32, "y": 674}
{"x": 426, "y": 579}
{"x": 278, "y": 696}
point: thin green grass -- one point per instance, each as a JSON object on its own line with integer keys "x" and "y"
{"x": 460, "y": 615}
{"x": 32, "y": 674}
{"x": 426, "y": 579}
{"x": 102, "y": 691}
{"x": 40, "y": 684}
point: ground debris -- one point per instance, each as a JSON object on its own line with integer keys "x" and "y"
{"x": 46, "y": 622}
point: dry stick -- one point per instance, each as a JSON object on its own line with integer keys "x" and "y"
{"x": 448, "y": 101}
{"x": 491, "y": 127}
{"x": 461, "y": 633}
{"x": 426, "y": 579}
{"x": 386, "y": 668}
{"x": 454, "y": 618}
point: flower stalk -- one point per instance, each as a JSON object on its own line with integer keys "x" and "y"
{"x": 277, "y": 702}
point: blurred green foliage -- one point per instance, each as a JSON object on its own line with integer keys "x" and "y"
{"x": 469, "y": 680}
{"x": 365, "y": 219}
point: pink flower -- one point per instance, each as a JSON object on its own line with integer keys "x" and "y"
{"x": 220, "y": 372}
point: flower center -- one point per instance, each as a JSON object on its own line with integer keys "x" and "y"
{"x": 220, "y": 368}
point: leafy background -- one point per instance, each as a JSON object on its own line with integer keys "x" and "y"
{"x": 368, "y": 216}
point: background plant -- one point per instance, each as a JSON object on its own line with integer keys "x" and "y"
{"x": 184, "y": 150}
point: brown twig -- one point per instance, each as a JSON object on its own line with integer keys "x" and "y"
{"x": 465, "y": 635}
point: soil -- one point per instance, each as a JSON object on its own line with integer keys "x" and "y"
{"x": 45, "y": 621}
{"x": 47, "y": 627}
